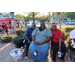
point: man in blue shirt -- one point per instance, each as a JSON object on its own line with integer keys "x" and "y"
{"x": 26, "y": 40}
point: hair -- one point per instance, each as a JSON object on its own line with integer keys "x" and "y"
{"x": 53, "y": 23}
{"x": 33, "y": 23}
{"x": 2, "y": 22}
{"x": 42, "y": 21}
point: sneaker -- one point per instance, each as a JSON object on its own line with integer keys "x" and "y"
{"x": 26, "y": 58}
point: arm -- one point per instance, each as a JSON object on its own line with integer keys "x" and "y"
{"x": 59, "y": 44}
{"x": 33, "y": 38}
{"x": 26, "y": 35}
{"x": 59, "y": 39}
{"x": 27, "y": 39}
{"x": 49, "y": 36}
{"x": 45, "y": 41}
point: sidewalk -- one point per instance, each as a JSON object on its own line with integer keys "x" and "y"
{"x": 11, "y": 33}
{"x": 5, "y": 54}
{"x": 6, "y": 48}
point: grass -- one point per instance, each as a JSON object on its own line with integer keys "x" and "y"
{"x": 63, "y": 28}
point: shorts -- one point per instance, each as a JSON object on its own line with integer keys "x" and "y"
{"x": 21, "y": 43}
{"x": 6, "y": 31}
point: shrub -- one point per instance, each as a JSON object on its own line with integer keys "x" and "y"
{"x": 6, "y": 39}
{"x": 16, "y": 39}
{"x": 20, "y": 32}
{"x": 66, "y": 36}
{"x": 69, "y": 29}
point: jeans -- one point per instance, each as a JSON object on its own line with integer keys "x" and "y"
{"x": 42, "y": 52}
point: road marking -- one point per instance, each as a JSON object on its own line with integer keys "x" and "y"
{"x": 5, "y": 46}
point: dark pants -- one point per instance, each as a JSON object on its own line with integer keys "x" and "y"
{"x": 55, "y": 47}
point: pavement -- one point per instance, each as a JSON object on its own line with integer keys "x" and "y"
{"x": 6, "y": 48}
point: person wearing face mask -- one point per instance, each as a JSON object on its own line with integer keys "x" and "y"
{"x": 40, "y": 45}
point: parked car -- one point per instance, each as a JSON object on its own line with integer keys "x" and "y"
{"x": 70, "y": 23}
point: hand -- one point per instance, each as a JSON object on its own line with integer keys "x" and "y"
{"x": 29, "y": 41}
{"x": 35, "y": 42}
{"x": 40, "y": 43}
{"x": 59, "y": 50}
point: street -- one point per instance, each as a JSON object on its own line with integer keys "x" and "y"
{"x": 64, "y": 25}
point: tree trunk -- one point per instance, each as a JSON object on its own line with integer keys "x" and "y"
{"x": 49, "y": 20}
{"x": 53, "y": 16}
{"x": 59, "y": 22}
{"x": 13, "y": 20}
{"x": 33, "y": 18}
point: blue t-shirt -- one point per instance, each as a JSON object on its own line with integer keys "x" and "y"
{"x": 28, "y": 33}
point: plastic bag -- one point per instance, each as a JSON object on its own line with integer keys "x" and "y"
{"x": 17, "y": 54}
